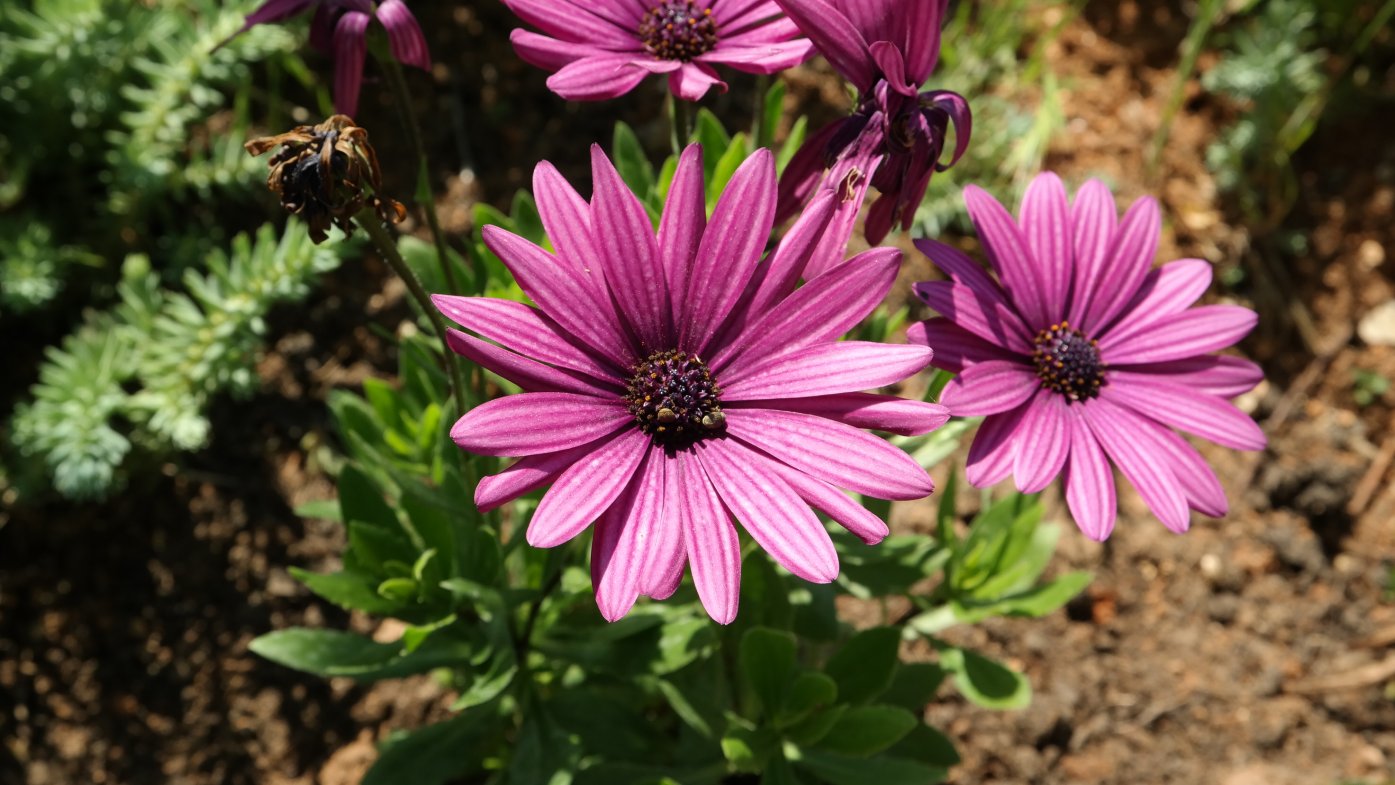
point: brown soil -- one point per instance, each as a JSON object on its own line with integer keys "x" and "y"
{"x": 1257, "y": 649}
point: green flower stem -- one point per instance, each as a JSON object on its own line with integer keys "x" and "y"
{"x": 403, "y": 98}
{"x": 680, "y": 115}
{"x": 388, "y": 248}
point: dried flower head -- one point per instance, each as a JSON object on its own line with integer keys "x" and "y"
{"x": 326, "y": 174}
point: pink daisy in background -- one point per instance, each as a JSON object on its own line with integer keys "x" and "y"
{"x": 677, "y": 381}
{"x": 603, "y": 48}
{"x": 340, "y": 28}
{"x": 1080, "y": 354}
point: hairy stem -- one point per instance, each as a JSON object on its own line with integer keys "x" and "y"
{"x": 403, "y": 99}
{"x": 388, "y": 248}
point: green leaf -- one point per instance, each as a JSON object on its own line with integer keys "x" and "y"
{"x": 767, "y": 666}
{"x": 348, "y": 590}
{"x": 337, "y": 653}
{"x": 914, "y": 685}
{"x": 631, "y": 162}
{"x": 544, "y": 754}
{"x": 812, "y": 729}
{"x": 926, "y": 745}
{"x": 985, "y": 682}
{"x": 360, "y": 499}
{"x": 709, "y": 133}
{"x": 865, "y": 665}
{"x": 772, "y": 109}
{"x": 326, "y": 509}
{"x": 843, "y": 770}
{"x": 946, "y": 513}
{"x": 398, "y": 590}
{"x": 1034, "y": 602}
{"x": 810, "y": 692}
{"x": 525, "y": 216}
{"x": 792, "y": 143}
{"x": 864, "y": 731}
{"x": 747, "y": 748}
{"x": 725, "y": 168}
{"x": 432, "y": 755}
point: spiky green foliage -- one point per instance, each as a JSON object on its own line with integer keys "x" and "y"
{"x": 144, "y": 372}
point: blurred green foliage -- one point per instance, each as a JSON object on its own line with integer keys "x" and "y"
{"x": 121, "y": 131}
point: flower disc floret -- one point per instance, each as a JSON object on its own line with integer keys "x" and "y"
{"x": 674, "y": 399}
{"x": 1068, "y": 362}
{"x": 678, "y": 30}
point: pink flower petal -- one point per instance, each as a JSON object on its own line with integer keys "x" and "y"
{"x": 1126, "y": 439}
{"x": 836, "y": 37}
{"x": 1046, "y": 225}
{"x": 994, "y": 449}
{"x": 831, "y": 451}
{"x": 546, "y": 52}
{"x": 1165, "y": 291}
{"x": 538, "y": 422}
{"x": 804, "y": 172}
{"x": 711, "y": 541}
{"x": 597, "y": 78}
{"x": 778, "y": 274}
{"x": 955, "y": 348}
{"x": 962, "y": 269}
{"x": 834, "y": 503}
{"x": 586, "y": 489}
{"x": 767, "y": 58}
{"x": 1195, "y": 331}
{"x": 692, "y": 81}
{"x": 1009, "y": 254}
{"x": 867, "y": 410}
{"x": 846, "y": 366}
{"x": 770, "y": 511}
{"x": 821, "y": 310}
{"x": 1214, "y": 374}
{"x": 1135, "y": 246}
{"x": 528, "y": 474}
{"x": 989, "y": 387}
{"x": 681, "y": 228}
{"x": 976, "y": 312}
{"x": 573, "y": 21}
{"x": 1094, "y": 219}
{"x": 730, "y": 249}
{"x": 561, "y": 293}
{"x": 350, "y": 50}
{"x": 632, "y": 551}
{"x": 629, "y": 254}
{"x": 1089, "y": 483}
{"x": 405, "y": 39}
{"x": 523, "y": 329}
{"x": 1044, "y": 442}
{"x": 922, "y": 24}
{"x": 1182, "y": 407}
{"x": 531, "y": 375}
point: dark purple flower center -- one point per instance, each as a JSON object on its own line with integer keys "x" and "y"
{"x": 1068, "y": 362}
{"x": 678, "y": 29}
{"x": 674, "y": 399}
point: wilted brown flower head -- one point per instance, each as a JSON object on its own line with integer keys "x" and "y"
{"x": 326, "y": 174}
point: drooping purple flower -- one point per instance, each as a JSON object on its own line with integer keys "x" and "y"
{"x": 340, "y": 28}
{"x": 894, "y": 138}
{"x": 601, "y": 49}
{"x": 677, "y": 380}
{"x": 1080, "y": 354}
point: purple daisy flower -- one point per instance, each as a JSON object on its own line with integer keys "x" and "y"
{"x": 603, "y": 48}
{"x": 894, "y": 138}
{"x": 1080, "y": 355}
{"x": 340, "y": 28}
{"x": 675, "y": 382}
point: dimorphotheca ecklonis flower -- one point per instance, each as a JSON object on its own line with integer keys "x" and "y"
{"x": 603, "y": 48}
{"x": 895, "y": 136}
{"x": 326, "y": 174}
{"x": 1079, "y": 354}
{"x": 675, "y": 381}
{"x": 340, "y": 28}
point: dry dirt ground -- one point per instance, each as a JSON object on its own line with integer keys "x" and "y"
{"x": 1255, "y": 650}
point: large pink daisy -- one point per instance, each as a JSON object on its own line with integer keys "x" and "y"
{"x": 676, "y": 383}
{"x": 1079, "y": 355}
